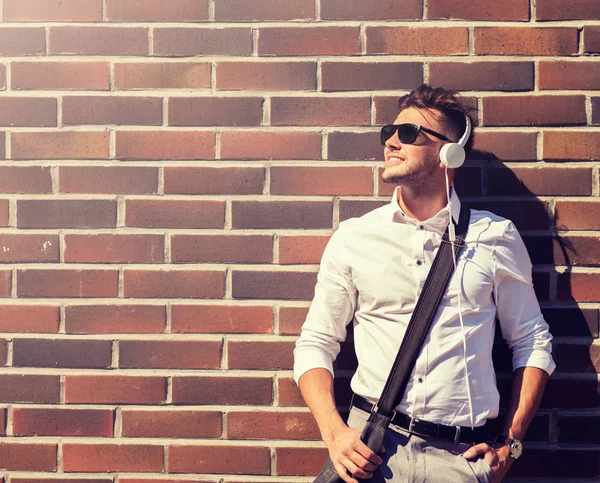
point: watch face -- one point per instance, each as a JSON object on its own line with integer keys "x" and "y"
{"x": 516, "y": 449}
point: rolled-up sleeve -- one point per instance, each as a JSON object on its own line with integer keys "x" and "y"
{"x": 330, "y": 311}
{"x": 521, "y": 321}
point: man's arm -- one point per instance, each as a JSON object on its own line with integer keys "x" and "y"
{"x": 346, "y": 450}
{"x": 527, "y": 391}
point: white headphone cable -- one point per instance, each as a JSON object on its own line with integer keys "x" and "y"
{"x": 452, "y": 236}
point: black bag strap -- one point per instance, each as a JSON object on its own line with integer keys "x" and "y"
{"x": 423, "y": 315}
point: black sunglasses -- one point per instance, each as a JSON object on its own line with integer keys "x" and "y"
{"x": 407, "y": 133}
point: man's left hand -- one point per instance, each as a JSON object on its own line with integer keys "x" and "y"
{"x": 498, "y": 458}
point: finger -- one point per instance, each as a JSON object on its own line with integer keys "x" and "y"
{"x": 344, "y": 475}
{"x": 382, "y": 449}
{"x": 355, "y": 470}
{"x": 368, "y": 453}
{"x": 363, "y": 463}
{"x": 476, "y": 450}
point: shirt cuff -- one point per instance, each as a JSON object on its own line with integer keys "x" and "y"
{"x": 536, "y": 358}
{"x": 307, "y": 359}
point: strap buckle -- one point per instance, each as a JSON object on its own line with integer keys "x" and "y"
{"x": 457, "y": 435}
{"x": 375, "y": 408}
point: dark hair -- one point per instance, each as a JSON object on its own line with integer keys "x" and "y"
{"x": 447, "y": 102}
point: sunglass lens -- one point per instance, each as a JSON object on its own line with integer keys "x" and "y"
{"x": 407, "y": 133}
{"x": 387, "y": 132}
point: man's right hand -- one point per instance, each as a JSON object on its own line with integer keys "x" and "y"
{"x": 350, "y": 456}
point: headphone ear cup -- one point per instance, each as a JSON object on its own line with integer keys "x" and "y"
{"x": 452, "y": 155}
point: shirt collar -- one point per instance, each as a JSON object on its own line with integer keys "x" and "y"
{"x": 437, "y": 221}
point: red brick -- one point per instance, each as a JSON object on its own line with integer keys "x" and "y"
{"x": 62, "y": 353}
{"x": 175, "y": 284}
{"x": 27, "y": 112}
{"x": 282, "y": 214}
{"x": 113, "y": 457}
{"x": 18, "y": 41}
{"x": 271, "y": 425}
{"x": 215, "y": 111}
{"x": 25, "y": 179}
{"x": 533, "y": 110}
{"x": 157, "y": 480}
{"x": 260, "y": 355}
{"x": 371, "y": 10}
{"x": 305, "y": 249}
{"x": 578, "y": 429}
{"x": 309, "y": 41}
{"x": 300, "y": 461}
{"x": 526, "y": 41}
{"x": 3, "y": 82}
{"x": 221, "y": 319}
{"x": 221, "y": 390}
{"x": 3, "y": 360}
{"x": 505, "y": 145}
{"x": 60, "y": 76}
{"x": 187, "y": 42}
{"x": 270, "y": 145}
{"x": 578, "y": 215}
{"x": 221, "y": 248}
{"x": 281, "y": 285}
{"x": 28, "y": 457}
{"x": 114, "y": 249}
{"x": 175, "y": 214}
{"x": 237, "y": 460}
{"x": 171, "y": 424}
{"x": 165, "y": 145}
{"x": 581, "y": 358}
{"x": 4, "y": 212}
{"x": 583, "y": 145}
{"x": 29, "y": 248}
{"x": 143, "y": 111}
{"x": 573, "y": 10}
{"x": 417, "y": 41}
{"x": 115, "y": 319}
{"x": 572, "y": 322}
{"x": 98, "y": 41}
{"x": 289, "y": 393}
{"x": 368, "y": 76}
{"x": 291, "y": 319}
{"x": 483, "y": 76}
{"x": 356, "y": 208}
{"x": 5, "y": 283}
{"x": 67, "y": 283}
{"x": 162, "y": 75}
{"x": 169, "y": 354}
{"x": 214, "y": 181}
{"x": 157, "y": 11}
{"x": 62, "y": 480}
{"x": 320, "y": 111}
{"x": 544, "y": 181}
{"x": 62, "y": 422}
{"x": 526, "y": 214}
{"x": 115, "y": 390}
{"x": 3, "y": 421}
{"x": 66, "y": 213}
{"x": 268, "y": 76}
{"x": 241, "y": 10}
{"x": 60, "y": 145}
{"x": 559, "y": 393}
{"x": 478, "y": 10}
{"x": 53, "y": 10}
{"x": 292, "y": 180}
{"x": 103, "y": 180}
{"x": 591, "y": 39}
{"x": 580, "y": 287}
{"x": 569, "y": 75}
{"x": 350, "y": 146}
{"x": 21, "y": 388}
{"x": 29, "y": 319}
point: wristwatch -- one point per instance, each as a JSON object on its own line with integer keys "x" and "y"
{"x": 515, "y": 446}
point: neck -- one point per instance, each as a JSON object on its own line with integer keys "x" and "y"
{"x": 419, "y": 204}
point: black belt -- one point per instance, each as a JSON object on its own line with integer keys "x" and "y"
{"x": 455, "y": 434}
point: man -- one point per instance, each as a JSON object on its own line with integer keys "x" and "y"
{"x": 372, "y": 273}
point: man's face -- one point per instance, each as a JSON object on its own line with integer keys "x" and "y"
{"x": 407, "y": 164}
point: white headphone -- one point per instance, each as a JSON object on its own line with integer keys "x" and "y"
{"x": 453, "y": 155}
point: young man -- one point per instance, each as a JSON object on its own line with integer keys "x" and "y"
{"x": 372, "y": 273}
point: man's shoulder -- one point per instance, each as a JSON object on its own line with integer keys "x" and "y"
{"x": 488, "y": 225}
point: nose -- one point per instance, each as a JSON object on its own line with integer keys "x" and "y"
{"x": 393, "y": 143}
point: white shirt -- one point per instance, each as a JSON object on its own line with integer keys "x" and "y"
{"x": 372, "y": 273}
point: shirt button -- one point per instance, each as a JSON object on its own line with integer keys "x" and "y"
{"x": 419, "y": 262}
{"x": 420, "y": 379}
{"x": 421, "y": 227}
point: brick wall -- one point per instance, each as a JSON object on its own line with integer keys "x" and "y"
{"x": 172, "y": 170}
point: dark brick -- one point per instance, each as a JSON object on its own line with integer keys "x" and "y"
{"x": 351, "y": 146}
{"x": 62, "y": 353}
{"x": 215, "y": 390}
{"x": 282, "y": 214}
{"x": 483, "y": 76}
{"x": 273, "y": 285}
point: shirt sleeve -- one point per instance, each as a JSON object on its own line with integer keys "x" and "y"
{"x": 331, "y": 309}
{"x": 521, "y": 321}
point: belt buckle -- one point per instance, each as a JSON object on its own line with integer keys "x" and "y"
{"x": 411, "y": 424}
{"x": 457, "y": 435}
{"x": 375, "y": 408}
